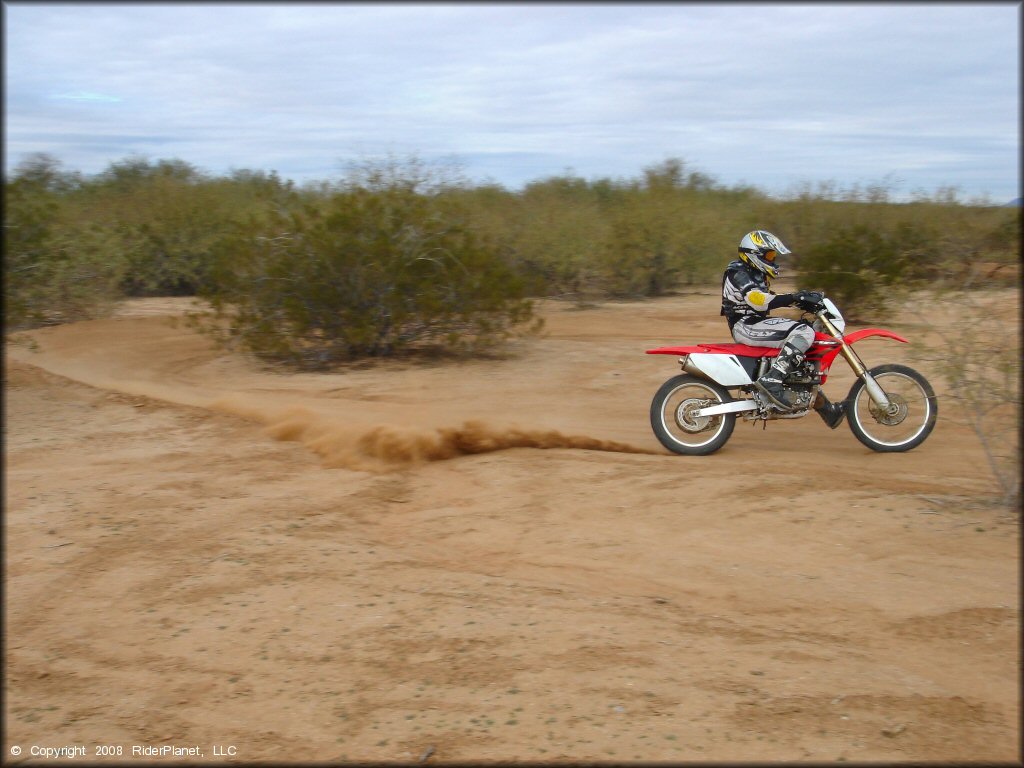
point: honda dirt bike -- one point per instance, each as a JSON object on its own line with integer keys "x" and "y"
{"x": 890, "y": 408}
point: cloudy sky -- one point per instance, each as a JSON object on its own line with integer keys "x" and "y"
{"x": 915, "y": 96}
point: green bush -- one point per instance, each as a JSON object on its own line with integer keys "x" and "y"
{"x": 56, "y": 268}
{"x": 556, "y": 230}
{"x": 366, "y": 272}
{"x": 143, "y": 228}
{"x": 167, "y": 216}
{"x": 643, "y": 256}
{"x": 863, "y": 268}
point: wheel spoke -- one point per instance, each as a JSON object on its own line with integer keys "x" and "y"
{"x": 678, "y": 415}
{"x": 909, "y": 415}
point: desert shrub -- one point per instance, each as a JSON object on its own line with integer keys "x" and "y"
{"x": 143, "y": 228}
{"x": 56, "y": 268}
{"x": 644, "y": 237}
{"x": 982, "y": 372}
{"x": 643, "y": 255}
{"x": 559, "y": 230}
{"x": 362, "y": 273}
{"x": 168, "y": 217}
{"x": 660, "y": 241}
{"x": 864, "y": 268}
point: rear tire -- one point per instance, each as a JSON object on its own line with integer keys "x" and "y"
{"x": 677, "y": 429}
{"x": 914, "y": 410}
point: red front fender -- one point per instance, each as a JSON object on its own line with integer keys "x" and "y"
{"x": 827, "y": 357}
{"x": 864, "y": 333}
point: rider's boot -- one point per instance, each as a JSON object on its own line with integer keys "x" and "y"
{"x": 831, "y": 413}
{"x": 770, "y": 383}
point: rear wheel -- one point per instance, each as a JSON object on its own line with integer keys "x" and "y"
{"x": 674, "y": 419}
{"x": 909, "y": 419}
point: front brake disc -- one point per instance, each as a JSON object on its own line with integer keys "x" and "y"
{"x": 895, "y": 414}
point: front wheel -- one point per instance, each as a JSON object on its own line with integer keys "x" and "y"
{"x": 909, "y": 419}
{"x": 674, "y": 419}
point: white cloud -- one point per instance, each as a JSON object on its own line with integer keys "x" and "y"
{"x": 86, "y": 96}
{"x": 750, "y": 93}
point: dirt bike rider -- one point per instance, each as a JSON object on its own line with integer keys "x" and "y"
{"x": 746, "y": 302}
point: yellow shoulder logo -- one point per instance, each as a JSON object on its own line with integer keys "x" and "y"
{"x": 757, "y": 299}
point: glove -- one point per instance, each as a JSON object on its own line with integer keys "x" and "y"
{"x": 809, "y": 301}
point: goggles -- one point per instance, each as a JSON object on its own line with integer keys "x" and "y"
{"x": 769, "y": 256}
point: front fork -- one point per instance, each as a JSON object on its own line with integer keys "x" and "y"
{"x": 874, "y": 391}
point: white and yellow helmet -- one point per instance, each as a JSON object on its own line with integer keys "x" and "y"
{"x": 759, "y": 249}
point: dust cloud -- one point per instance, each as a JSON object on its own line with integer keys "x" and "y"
{"x": 383, "y": 448}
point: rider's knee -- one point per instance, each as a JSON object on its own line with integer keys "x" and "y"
{"x": 801, "y": 337}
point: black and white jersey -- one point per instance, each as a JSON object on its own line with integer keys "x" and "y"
{"x": 745, "y": 293}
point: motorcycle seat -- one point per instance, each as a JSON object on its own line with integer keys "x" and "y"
{"x": 740, "y": 350}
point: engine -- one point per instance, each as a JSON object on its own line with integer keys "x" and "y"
{"x": 802, "y": 383}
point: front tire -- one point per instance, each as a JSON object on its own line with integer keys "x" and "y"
{"x": 678, "y": 429}
{"x": 912, "y": 413}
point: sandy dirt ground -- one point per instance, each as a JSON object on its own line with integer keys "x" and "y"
{"x": 486, "y": 560}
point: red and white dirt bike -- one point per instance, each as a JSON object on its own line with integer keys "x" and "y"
{"x": 889, "y": 407}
